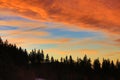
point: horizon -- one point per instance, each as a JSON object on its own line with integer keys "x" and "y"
{"x": 61, "y": 28}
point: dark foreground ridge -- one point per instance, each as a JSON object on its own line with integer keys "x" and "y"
{"x": 17, "y": 64}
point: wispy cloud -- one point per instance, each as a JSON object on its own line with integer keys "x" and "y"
{"x": 117, "y": 40}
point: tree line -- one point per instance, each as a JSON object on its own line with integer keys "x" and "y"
{"x": 13, "y": 57}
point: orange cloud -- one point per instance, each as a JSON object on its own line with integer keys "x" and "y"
{"x": 30, "y": 40}
{"x": 117, "y": 40}
{"x": 113, "y": 54}
{"x": 22, "y": 24}
{"x": 20, "y": 33}
{"x": 48, "y": 41}
{"x": 80, "y": 51}
{"x": 96, "y": 15}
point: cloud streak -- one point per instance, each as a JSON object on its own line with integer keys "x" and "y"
{"x": 95, "y": 15}
{"x": 117, "y": 40}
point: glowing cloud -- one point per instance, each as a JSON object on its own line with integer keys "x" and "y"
{"x": 96, "y": 15}
{"x": 118, "y": 40}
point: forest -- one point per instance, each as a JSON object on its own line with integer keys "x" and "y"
{"x": 19, "y": 64}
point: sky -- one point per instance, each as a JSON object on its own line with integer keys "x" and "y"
{"x": 63, "y": 27}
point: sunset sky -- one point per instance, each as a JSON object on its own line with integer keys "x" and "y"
{"x": 63, "y": 27}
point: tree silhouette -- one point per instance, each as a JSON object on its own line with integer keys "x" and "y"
{"x": 61, "y": 60}
{"x": 1, "y": 41}
{"x": 15, "y": 61}
{"x": 66, "y": 60}
{"x": 85, "y": 64}
{"x": 32, "y": 57}
{"x": 71, "y": 60}
{"x": 112, "y": 67}
{"x": 106, "y": 66}
{"x": 38, "y": 55}
{"x": 96, "y": 65}
{"x": 42, "y": 56}
{"x": 47, "y": 59}
{"x": 52, "y": 59}
{"x": 118, "y": 66}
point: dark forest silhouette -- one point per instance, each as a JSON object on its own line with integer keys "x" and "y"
{"x": 17, "y": 64}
